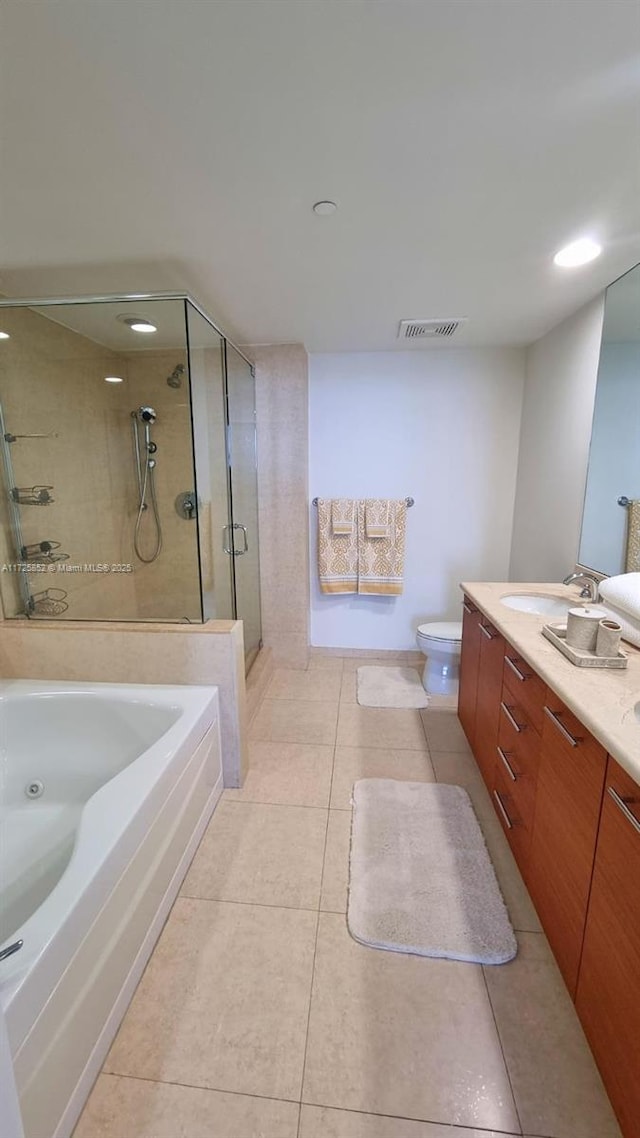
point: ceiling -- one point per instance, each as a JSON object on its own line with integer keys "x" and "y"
{"x": 163, "y": 144}
{"x": 622, "y": 310}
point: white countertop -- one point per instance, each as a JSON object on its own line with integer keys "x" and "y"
{"x": 602, "y": 698}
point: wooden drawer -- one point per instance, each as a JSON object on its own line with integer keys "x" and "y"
{"x": 608, "y": 995}
{"x": 508, "y": 808}
{"x": 567, "y": 732}
{"x": 526, "y": 684}
{"x": 519, "y": 753}
{"x": 571, "y": 773}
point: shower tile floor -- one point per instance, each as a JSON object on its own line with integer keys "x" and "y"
{"x": 259, "y": 1017}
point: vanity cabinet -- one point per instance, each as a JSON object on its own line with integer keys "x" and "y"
{"x": 572, "y": 818}
{"x": 489, "y": 690}
{"x": 516, "y": 773}
{"x": 571, "y": 774}
{"x": 469, "y": 668}
{"x": 608, "y": 993}
{"x": 481, "y": 666}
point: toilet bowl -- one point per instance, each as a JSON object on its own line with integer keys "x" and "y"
{"x": 440, "y": 643}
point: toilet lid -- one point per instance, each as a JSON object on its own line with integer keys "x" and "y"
{"x": 442, "y": 630}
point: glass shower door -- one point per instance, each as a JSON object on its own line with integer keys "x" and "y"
{"x": 243, "y": 485}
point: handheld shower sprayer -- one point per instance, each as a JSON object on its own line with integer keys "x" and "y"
{"x": 145, "y": 417}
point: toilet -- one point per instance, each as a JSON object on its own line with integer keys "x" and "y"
{"x": 440, "y": 643}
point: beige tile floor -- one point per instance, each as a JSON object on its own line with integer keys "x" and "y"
{"x": 259, "y": 1017}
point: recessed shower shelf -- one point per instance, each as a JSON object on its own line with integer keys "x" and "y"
{"x": 43, "y": 552}
{"x": 9, "y": 438}
{"x": 50, "y": 602}
{"x": 32, "y": 495}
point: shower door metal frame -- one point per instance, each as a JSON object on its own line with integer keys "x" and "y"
{"x": 121, "y": 298}
{"x": 234, "y": 526}
{"x": 186, "y": 298}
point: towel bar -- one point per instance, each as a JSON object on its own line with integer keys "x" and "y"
{"x": 409, "y": 501}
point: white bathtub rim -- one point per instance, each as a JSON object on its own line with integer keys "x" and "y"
{"x": 102, "y": 1046}
{"x": 72, "y": 893}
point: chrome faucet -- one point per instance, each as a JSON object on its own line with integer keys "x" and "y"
{"x": 590, "y": 588}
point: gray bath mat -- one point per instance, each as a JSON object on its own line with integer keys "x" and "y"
{"x": 421, "y": 879}
{"x": 390, "y": 687}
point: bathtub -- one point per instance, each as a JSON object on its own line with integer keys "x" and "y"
{"x": 105, "y": 791}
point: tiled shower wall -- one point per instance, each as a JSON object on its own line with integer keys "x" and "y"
{"x": 168, "y": 588}
{"x": 52, "y": 383}
{"x": 282, "y": 405}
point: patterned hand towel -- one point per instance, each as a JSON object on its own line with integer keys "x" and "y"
{"x": 337, "y": 554}
{"x": 343, "y": 513}
{"x": 381, "y": 560}
{"x": 377, "y": 513}
{"x": 632, "y": 553}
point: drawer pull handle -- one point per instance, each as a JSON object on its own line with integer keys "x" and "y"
{"x": 507, "y": 821}
{"x": 522, "y": 676}
{"x": 554, "y": 716}
{"x": 519, "y": 727}
{"x": 622, "y": 805}
{"x": 507, "y": 764}
{"x": 486, "y": 631}
{"x": 469, "y": 608}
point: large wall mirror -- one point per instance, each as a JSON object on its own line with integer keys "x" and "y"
{"x": 613, "y": 478}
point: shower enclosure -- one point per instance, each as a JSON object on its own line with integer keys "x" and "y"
{"x": 128, "y": 446}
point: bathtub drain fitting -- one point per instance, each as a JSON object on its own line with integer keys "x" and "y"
{"x": 34, "y": 789}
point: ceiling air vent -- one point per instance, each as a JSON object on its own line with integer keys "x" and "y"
{"x": 429, "y": 329}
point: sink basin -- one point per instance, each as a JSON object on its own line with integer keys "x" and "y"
{"x": 553, "y": 607}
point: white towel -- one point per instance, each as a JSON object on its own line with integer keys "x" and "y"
{"x": 623, "y": 591}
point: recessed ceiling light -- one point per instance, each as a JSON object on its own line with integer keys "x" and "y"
{"x": 4, "y": 336}
{"x": 113, "y": 379}
{"x": 325, "y": 208}
{"x": 137, "y": 323}
{"x": 578, "y": 253}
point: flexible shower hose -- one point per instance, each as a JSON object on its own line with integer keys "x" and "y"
{"x": 149, "y": 477}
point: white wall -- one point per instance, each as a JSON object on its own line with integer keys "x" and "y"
{"x": 561, "y": 374}
{"x": 614, "y": 458}
{"x": 441, "y": 426}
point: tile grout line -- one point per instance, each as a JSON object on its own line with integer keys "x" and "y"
{"x": 502, "y": 1050}
{"x": 258, "y": 802}
{"x": 198, "y": 1087}
{"x": 253, "y": 904}
{"x": 299, "y": 1103}
{"x": 315, "y": 945}
{"x": 452, "y": 1126}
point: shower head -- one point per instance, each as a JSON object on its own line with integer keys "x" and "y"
{"x": 175, "y": 379}
{"x": 144, "y": 415}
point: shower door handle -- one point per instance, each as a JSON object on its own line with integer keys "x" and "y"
{"x": 226, "y": 540}
{"x": 239, "y": 552}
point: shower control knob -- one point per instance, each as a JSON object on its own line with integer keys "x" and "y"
{"x": 186, "y": 506}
